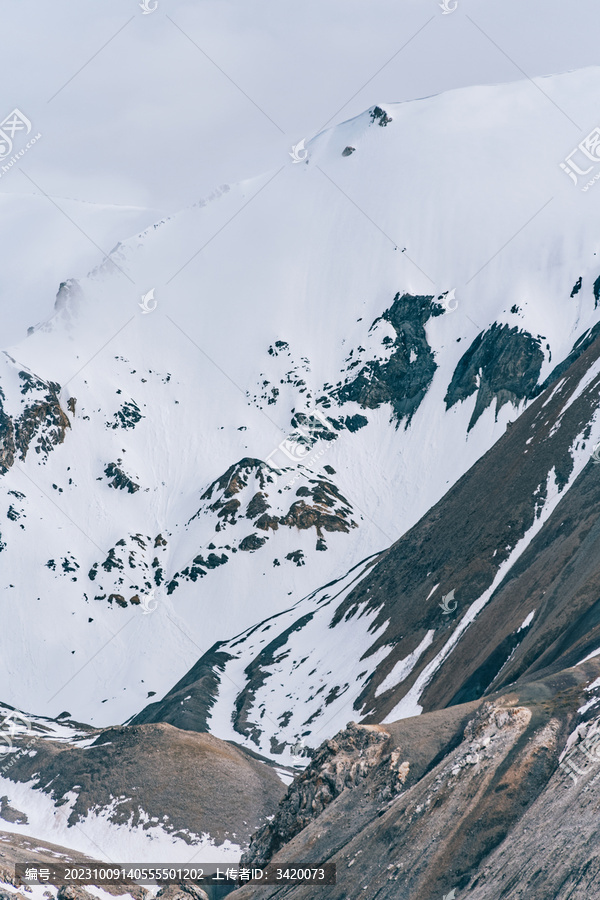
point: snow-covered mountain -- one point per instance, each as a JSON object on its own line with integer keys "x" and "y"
{"x": 495, "y": 583}
{"x": 250, "y": 397}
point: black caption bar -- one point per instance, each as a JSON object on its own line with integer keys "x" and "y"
{"x": 178, "y": 873}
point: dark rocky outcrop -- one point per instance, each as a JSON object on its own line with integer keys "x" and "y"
{"x": 120, "y": 480}
{"x": 258, "y": 505}
{"x": 405, "y": 376}
{"x": 596, "y": 292}
{"x": 127, "y": 416}
{"x": 322, "y": 514}
{"x": 340, "y": 764}
{"x": 502, "y": 363}
{"x": 354, "y": 423}
{"x": 9, "y": 814}
{"x": 580, "y": 346}
{"x": 41, "y": 422}
{"x": 132, "y": 567}
{"x": 252, "y": 542}
{"x": 7, "y": 438}
{"x": 236, "y": 478}
{"x": 380, "y": 116}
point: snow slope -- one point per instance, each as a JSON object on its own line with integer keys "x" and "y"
{"x": 458, "y": 192}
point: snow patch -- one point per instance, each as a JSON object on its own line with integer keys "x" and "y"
{"x": 404, "y": 667}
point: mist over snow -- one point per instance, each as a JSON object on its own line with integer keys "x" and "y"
{"x": 152, "y": 122}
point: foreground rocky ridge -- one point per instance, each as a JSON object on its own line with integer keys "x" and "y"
{"x": 482, "y": 806}
{"x": 475, "y": 798}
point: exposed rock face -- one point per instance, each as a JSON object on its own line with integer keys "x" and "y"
{"x": 133, "y": 567}
{"x": 252, "y": 542}
{"x": 379, "y": 115}
{"x": 120, "y": 480}
{"x": 230, "y": 508}
{"x": 9, "y": 814}
{"x": 247, "y": 492}
{"x": 405, "y": 376}
{"x": 235, "y": 478}
{"x": 503, "y": 364}
{"x": 340, "y": 764}
{"x": 579, "y": 347}
{"x": 258, "y": 505}
{"x": 7, "y": 439}
{"x": 481, "y": 808}
{"x": 40, "y": 421}
{"x": 127, "y": 416}
{"x": 325, "y": 496}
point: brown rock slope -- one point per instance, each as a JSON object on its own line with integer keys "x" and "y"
{"x": 462, "y": 542}
{"x": 478, "y": 805}
{"x": 201, "y": 783}
{"x": 20, "y": 849}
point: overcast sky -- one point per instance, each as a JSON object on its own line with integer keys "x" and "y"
{"x": 143, "y": 114}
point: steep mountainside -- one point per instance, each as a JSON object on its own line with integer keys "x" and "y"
{"x": 497, "y": 581}
{"x": 479, "y": 800}
{"x": 190, "y": 447}
{"x": 320, "y": 447}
